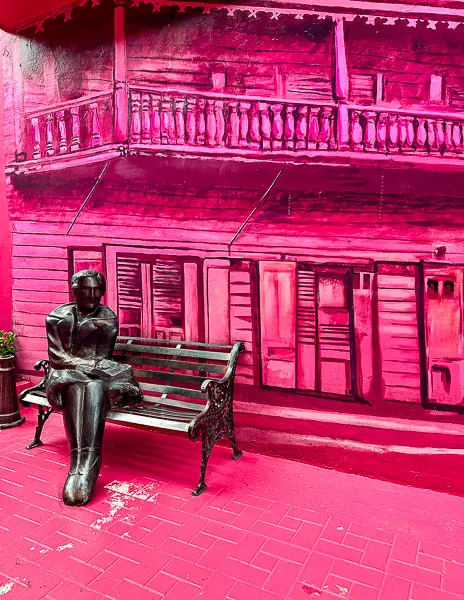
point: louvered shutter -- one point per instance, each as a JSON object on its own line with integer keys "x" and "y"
{"x": 168, "y": 305}
{"x": 306, "y": 328}
{"x": 129, "y": 286}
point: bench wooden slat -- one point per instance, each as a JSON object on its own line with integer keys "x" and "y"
{"x": 140, "y": 419}
{"x": 147, "y": 374}
{"x": 171, "y": 364}
{"x": 171, "y": 402}
{"x": 173, "y": 351}
{"x": 160, "y": 412}
{"x": 175, "y": 391}
{"x": 176, "y": 342}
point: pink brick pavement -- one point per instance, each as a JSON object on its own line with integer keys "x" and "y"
{"x": 266, "y": 528}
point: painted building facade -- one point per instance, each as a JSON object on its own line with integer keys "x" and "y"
{"x": 284, "y": 175}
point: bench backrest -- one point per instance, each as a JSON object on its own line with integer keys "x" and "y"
{"x": 174, "y": 368}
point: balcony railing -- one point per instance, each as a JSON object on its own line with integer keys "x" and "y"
{"x": 375, "y": 129}
{"x": 205, "y": 122}
{"x": 70, "y": 127}
{"x": 174, "y": 118}
{"x": 219, "y": 121}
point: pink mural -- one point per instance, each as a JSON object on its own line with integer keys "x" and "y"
{"x": 286, "y": 176}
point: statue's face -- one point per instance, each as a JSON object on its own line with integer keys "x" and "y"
{"x": 88, "y": 294}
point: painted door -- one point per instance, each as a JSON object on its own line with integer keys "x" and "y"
{"x": 443, "y": 334}
{"x": 278, "y": 323}
{"x": 333, "y": 331}
{"x": 323, "y": 330}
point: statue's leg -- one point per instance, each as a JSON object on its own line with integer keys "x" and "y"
{"x": 84, "y": 416}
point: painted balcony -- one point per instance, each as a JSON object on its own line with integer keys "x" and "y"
{"x": 218, "y": 124}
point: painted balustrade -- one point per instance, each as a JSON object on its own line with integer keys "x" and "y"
{"x": 174, "y": 118}
{"x": 244, "y": 124}
{"x": 70, "y": 127}
{"x": 390, "y": 131}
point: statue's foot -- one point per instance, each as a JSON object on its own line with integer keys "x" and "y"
{"x": 69, "y": 488}
{"x": 87, "y": 476}
{"x": 68, "y": 494}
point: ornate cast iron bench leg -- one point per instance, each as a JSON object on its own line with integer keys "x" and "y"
{"x": 231, "y": 436}
{"x": 43, "y": 415}
{"x": 206, "y": 447}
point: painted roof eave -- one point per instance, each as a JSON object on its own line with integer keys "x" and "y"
{"x": 451, "y": 12}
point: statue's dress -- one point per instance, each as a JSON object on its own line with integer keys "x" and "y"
{"x": 80, "y": 351}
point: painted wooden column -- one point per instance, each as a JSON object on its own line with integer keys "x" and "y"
{"x": 18, "y": 93}
{"x": 121, "y": 101}
{"x": 341, "y": 83}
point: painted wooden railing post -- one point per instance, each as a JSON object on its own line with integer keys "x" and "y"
{"x": 244, "y": 123}
{"x": 179, "y": 104}
{"x": 393, "y": 133}
{"x": 382, "y": 132}
{"x": 155, "y": 120}
{"x": 75, "y": 129}
{"x": 265, "y": 125}
{"x": 36, "y": 138}
{"x": 62, "y": 140}
{"x": 145, "y": 122}
{"x": 421, "y": 135}
{"x": 95, "y": 128}
{"x": 220, "y": 122}
{"x": 440, "y": 135}
{"x": 432, "y": 135}
{"x": 325, "y": 128}
{"x": 210, "y": 123}
{"x": 200, "y": 122}
{"x": 302, "y": 128}
{"x": 234, "y": 124}
{"x": 369, "y": 130}
{"x": 49, "y": 145}
{"x": 255, "y": 137}
{"x": 289, "y": 129}
{"x": 356, "y": 132}
{"x": 277, "y": 126}
{"x": 457, "y": 138}
{"x": 313, "y": 128}
{"x": 121, "y": 96}
{"x": 136, "y": 123}
{"x": 341, "y": 84}
{"x": 168, "y": 127}
{"x": 190, "y": 121}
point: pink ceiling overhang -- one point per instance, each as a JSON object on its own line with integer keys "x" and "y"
{"x": 21, "y": 14}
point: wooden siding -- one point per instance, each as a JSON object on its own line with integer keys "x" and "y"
{"x": 258, "y": 56}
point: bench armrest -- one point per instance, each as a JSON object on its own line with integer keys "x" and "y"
{"x": 40, "y": 387}
{"x": 217, "y": 413}
{"x": 230, "y": 371}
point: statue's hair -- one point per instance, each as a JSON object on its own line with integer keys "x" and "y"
{"x": 77, "y": 278}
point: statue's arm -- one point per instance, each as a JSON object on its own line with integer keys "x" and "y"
{"x": 59, "y": 358}
{"x": 107, "y": 339}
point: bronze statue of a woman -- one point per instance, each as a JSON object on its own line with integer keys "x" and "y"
{"x": 83, "y": 381}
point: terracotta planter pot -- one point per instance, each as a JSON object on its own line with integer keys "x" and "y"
{"x": 9, "y": 407}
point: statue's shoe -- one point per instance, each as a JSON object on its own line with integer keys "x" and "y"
{"x": 87, "y": 476}
{"x": 69, "y": 488}
{"x": 68, "y": 495}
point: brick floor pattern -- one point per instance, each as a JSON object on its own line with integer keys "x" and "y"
{"x": 145, "y": 537}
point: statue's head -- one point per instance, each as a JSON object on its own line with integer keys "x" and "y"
{"x": 88, "y": 287}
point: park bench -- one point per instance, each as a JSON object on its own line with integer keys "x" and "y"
{"x": 201, "y": 407}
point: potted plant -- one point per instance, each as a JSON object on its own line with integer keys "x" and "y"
{"x": 9, "y": 407}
